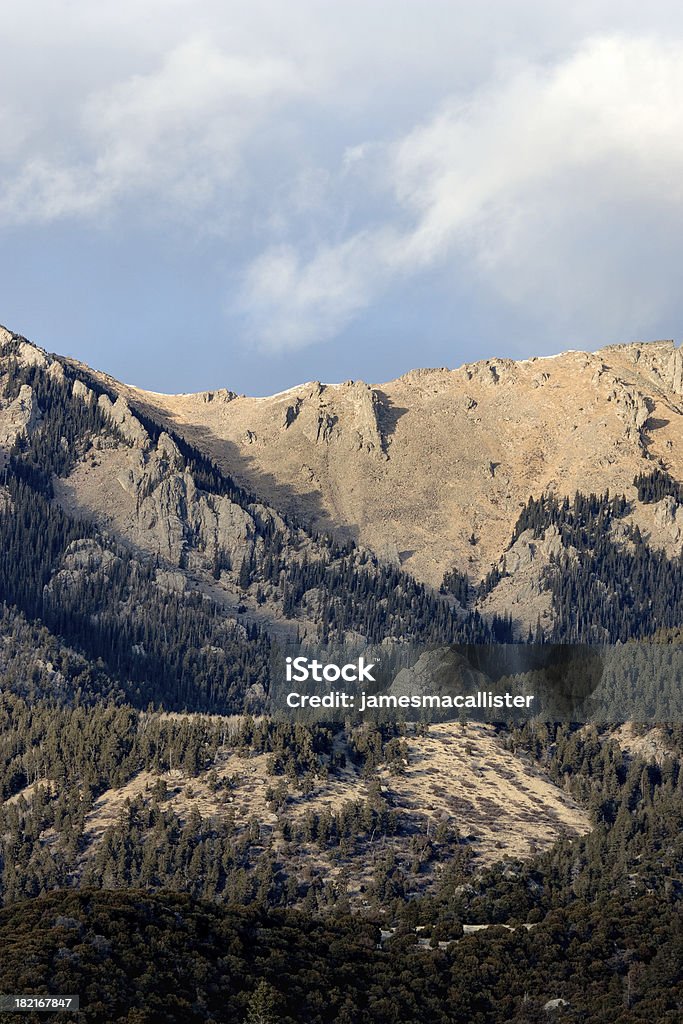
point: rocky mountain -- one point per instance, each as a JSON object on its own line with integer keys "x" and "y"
{"x": 158, "y": 550}
{"x": 260, "y": 503}
{"x": 426, "y": 475}
{"x": 440, "y": 455}
{"x": 135, "y": 547}
{"x": 431, "y": 471}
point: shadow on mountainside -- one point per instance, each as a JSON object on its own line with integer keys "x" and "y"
{"x": 388, "y": 416}
{"x": 305, "y": 507}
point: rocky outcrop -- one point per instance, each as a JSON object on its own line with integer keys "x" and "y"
{"x": 168, "y": 453}
{"x": 361, "y": 421}
{"x": 222, "y": 395}
{"x": 491, "y": 371}
{"x": 81, "y": 558}
{"x": 345, "y": 416}
{"x": 88, "y": 554}
{"x": 523, "y": 589}
{"x": 633, "y": 407}
{"x": 19, "y": 416}
{"x": 172, "y": 516}
{"x": 171, "y": 582}
{"x": 529, "y": 550}
{"x": 668, "y": 525}
{"x": 325, "y": 427}
{"x": 30, "y": 355}
{"x": 81, "y": 390}
{"x": 676, "y": 371}
{"x": 119, "y": 413}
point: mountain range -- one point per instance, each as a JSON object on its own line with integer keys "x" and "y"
{"x": 428, "y": 473}
{"x": 159, "y": 549}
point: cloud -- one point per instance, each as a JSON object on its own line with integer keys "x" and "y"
{"x": 170, "y": 100}
{"x": 176, "y": 134}
{"x": 306, "y": 163}
{"x": 483, "y": 179}
{"x": 291, "y": 303}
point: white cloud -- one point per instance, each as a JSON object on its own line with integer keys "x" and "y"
{"x": 176, "y": 134}
{"x": 358, "y": 145}
{"x": 292, "y": 303}
{"x": 544, "y": 145}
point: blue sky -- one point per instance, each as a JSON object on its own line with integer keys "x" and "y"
{"x": 212, "y": 194}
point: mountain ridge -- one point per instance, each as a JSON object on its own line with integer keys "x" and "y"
{"x": 428, "y": 473}
{"x": 445, "y": 454}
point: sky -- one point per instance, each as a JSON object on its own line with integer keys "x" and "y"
{"x": 198, "y": 194}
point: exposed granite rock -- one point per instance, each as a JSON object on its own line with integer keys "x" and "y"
{"x": 29, "y": 355}
{"x": 633, "y": 407}
{"x": 80, "y": 558}
{"x": 171, "y": 582}
{"x": 344, "y": 415}
{"x": 19, "y": 416}
{"x": 491, "y": 371}
{"x": 363, "y": 404}
{"x": 175, "y": 518}
{"x": 222, "y": 395}
{"x": 668, "y": 516}
{"x": 119, "y": 413}
{"x": 81, "y": 390}
{"x": 528, "y": 550}
{"x": 676, "y": 371}
{"x": 87, "y": 554}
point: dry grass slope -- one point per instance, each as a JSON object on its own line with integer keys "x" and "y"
{"x": 459, "y": 775}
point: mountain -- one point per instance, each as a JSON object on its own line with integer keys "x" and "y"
{"x": 280, "y": 516}
{"x": 440, "y": 455}
{"x": 159, "y": 552}
{"x": 133, "y": 544}
{"x": 432, "y": 472}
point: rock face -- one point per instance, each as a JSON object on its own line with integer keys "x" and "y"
{"x": 152, "y": 497}
{"x": 146, "y": 493}
{"x": 522, "y": 592}
{"x": 18, "y": 416}
{"x": 345, "y": 417}
{"x": 676, "y": 372}
{"x": 669, "y": 516}
{"x": 29, "y": 355}
{"x": 414, "y": 468}
{"x": 119, "y": 413}
{"x": 438, "y": 672}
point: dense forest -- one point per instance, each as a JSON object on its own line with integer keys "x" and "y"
{"x": 591, "y": 928}
{"x": 135, "y": 957}
{"x": 604, "y": 589}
